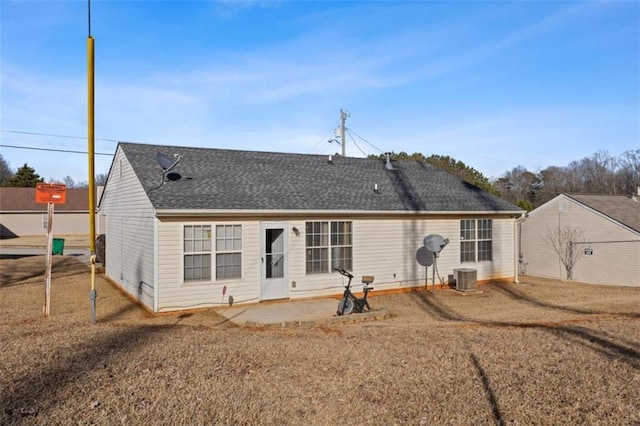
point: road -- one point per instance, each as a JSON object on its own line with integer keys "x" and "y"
{"x": 11, "y": 252}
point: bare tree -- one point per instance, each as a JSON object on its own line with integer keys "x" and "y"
{"x": 565, "y": 242}
{"x": 5, "y": 171}
{"x": 598, "y": 173}
{"x": 520, "y": 187}
{"x": 69, "y": 182}
{"x": 553, "y": 183}
{"x": 101, "y": 179}
{"x": 629, "y": 172}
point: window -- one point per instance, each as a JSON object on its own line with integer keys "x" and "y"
{"x": 228, "y": 251}
{"x": 323, "y": 238}
{"x": 341, "y": 246}
{"x": 317, "y": 247}
{"x": 199, "y": 253}
{"x": 485, "y": 244}
{"x": 476, "y": 240}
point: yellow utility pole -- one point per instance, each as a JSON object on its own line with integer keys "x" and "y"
{"x": 92, "y": 180}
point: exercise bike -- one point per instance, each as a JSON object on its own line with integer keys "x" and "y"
{"x": 350, "y": 302}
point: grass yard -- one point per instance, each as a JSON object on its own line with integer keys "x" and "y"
{"x": 540, "y": 352}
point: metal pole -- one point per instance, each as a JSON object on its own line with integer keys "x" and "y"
{"x": 48, "y": 261}
{"x": 433, "y": 273}
{"x": 92, "y": 180}
{"x": 343, "y": 118}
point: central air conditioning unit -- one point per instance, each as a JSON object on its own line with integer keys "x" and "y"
{"x": 466, "y": 278}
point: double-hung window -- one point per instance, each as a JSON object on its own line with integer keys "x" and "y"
{"x": 228, "y": 251}
{"x": 476, "y": 240}
{"x": 197, "y": 252}
{"x": 201, "y": 256}
{"x": 328, "y": 240}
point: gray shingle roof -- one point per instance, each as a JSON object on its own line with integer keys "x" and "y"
{"x": 246, "y": 180}
{"x": 621, "y": 208}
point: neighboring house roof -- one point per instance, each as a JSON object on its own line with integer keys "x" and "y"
{"x": 217, "y": 179}
{"x": 16, "y": 200}
{"x": 622, "y": 208}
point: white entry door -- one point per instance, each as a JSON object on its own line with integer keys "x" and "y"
{"x": 274, "y": 261}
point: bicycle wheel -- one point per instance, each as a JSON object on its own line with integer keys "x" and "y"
{"x": 345, "y": 306}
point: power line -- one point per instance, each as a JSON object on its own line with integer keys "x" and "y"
{"x": 55, "y": 136}
{"x": 53, "y": 150}
{"x": 372, "y": 145}
{"x": 357, "y": 146}
{"x": 324, "y": 138}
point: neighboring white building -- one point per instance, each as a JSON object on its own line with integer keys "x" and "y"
{"x": 611, "y": 227}
{"x": 227, "y": 226}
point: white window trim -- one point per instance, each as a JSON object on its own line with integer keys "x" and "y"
{"x": 329, "y": 246}
{"x": 476, "y": 240}
{"x": 479, "y": 240}
{"x": 213, "y": 252}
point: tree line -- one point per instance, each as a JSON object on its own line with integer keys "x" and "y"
{"x": 26, "y": 177}
{"x": 600, "y": 173}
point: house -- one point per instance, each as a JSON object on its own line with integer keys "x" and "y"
{"x": 21, "y": 216}
{"x": 226, "y": 226}
{"x": 610, "y": 247}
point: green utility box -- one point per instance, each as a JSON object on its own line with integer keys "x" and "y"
{"x": 58, "y": 246}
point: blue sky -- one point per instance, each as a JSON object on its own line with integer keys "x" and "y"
{"x": 494, "y": 84}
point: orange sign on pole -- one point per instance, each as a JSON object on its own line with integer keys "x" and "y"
{"x": 49, "y": 194}
{"x": 55, "y": 193}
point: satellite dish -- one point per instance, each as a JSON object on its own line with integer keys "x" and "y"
{"x": 435, "y": 243}
{"x": 424, "y": 257}
{"x": 167, "y": 163}
{"x": 173, "y": 176}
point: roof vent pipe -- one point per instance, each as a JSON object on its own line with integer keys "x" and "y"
{"x": 388, "y": 164}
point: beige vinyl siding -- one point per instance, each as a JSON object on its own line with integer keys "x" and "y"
{"x": 129, "y": 233}
{"x": 382, "y": 247}
{"x": 175, "y": 294}
{"x": 612, "y": 263}
{"x": 386, "y": 248}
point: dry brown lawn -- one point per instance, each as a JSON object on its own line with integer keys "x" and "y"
{"x": 540, "y": 352}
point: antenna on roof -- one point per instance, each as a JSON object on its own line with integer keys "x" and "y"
{"x": 167, "y": 163}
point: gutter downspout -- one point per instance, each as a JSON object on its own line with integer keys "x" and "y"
{"x": 517, "y": 224}
{"x": 156, "y": 263}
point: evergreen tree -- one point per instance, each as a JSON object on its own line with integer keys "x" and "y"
{"x": 25, "y": 177}
{"x": 448, "y": 164}
{"x": 464, "y": 172}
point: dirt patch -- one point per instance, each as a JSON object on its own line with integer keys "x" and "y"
{"x": 541, "y": 352}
